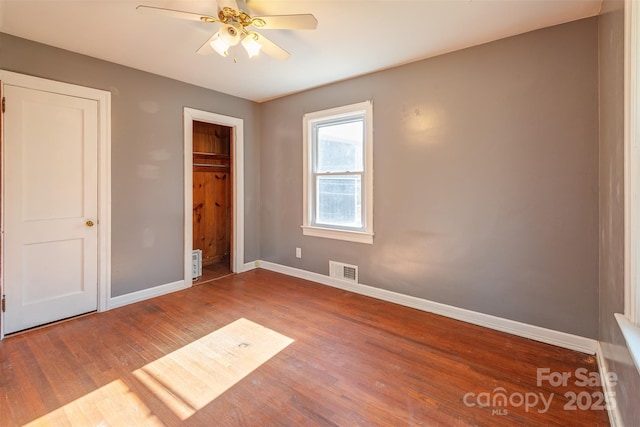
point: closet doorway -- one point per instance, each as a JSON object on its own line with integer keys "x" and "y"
{"x": 212, "y": 198}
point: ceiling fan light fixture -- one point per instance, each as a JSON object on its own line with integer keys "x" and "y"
{"x": 231, "y": 34}
{"x": 251, "y": 44}
{"x": 219, "y": 45}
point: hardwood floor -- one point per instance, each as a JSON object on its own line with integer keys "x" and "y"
{"x": 354, "y": 361}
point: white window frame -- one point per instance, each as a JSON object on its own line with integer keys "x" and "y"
{"x": 309, "y": 228}
{"x": 630, "y": 321}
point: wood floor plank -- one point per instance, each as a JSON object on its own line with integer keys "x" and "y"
{"x": 354, "y": 361}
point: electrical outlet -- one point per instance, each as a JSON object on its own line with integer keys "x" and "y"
{"x": 298, "y": 252}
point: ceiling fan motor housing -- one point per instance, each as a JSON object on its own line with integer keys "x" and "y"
{"x": 231, "y": 34}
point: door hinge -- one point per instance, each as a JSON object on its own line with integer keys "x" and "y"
{"x": 3, "y": 104}
{"x": 4, "y": 303}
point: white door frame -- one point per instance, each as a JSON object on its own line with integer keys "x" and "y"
{"x": 237, "y": 157}
{"x": 103, "y": 98}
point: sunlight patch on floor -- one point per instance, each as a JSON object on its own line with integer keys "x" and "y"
{"x": 194, "y": 375}
{"x": 113, "y": 404}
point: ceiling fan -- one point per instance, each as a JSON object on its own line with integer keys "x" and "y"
{"x": 236, "y": 23}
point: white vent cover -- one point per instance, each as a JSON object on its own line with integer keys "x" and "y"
{"x": 196, "y": 263}
{"x": 343, "y": 271}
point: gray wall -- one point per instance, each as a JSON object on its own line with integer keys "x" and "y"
{"x": 485, "y": 179}
{"x": 618, "y": 359}
{"x": 147, "y": 157}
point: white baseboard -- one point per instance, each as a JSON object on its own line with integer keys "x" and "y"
{"x": 157, "y": 291}
{"x": 537, "y": 333}
{"x": 250, "y": 266}
{"x": 610, "y": 395}
{"x": 144, "y": 294}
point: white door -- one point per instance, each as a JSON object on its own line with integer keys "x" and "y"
{"x": 50, "y": 163}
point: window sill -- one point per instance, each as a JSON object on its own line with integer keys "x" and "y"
{"x": 632, "y": 337}
{"x": 349, "y": 236}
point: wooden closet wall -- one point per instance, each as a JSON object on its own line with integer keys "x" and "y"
{"x": 212, "y": 192}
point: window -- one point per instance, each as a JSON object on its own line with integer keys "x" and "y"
{"x": 338, "y": 173}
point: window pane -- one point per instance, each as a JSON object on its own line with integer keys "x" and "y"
{"x": 338, "y": 200}
{"x": 339, "y": 146}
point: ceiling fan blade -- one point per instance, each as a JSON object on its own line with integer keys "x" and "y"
{"x": 272, "y": 49}
{"x": 206, "y": 48}
{"x": 177, "y": 14}
{"x": 232, "y": 4}
{"x": 287, "y": 22}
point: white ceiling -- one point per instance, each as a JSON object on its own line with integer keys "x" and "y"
{"x": 353, "y": 37}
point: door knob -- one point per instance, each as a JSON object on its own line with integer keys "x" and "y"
{"x": 89, "y": 223}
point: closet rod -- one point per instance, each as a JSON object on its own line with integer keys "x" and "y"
{"x": 210, "y": 165}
